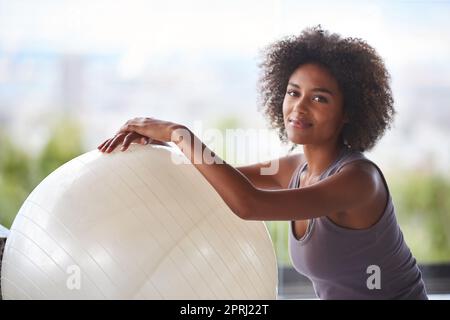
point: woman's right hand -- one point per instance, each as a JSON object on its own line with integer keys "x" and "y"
{"x": 126, "y": 138}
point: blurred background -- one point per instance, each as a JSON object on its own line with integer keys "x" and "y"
{"x": 72, "y": 72}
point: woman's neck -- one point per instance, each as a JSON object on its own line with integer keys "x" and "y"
{"x": 319, "y": 158}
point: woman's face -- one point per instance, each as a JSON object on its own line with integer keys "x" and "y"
{"x": 313, "y": 106}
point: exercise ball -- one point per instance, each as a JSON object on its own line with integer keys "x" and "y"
{"x": 134, "y": 225}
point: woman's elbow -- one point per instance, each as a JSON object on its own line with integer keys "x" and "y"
{"x": 246, "y": 208}
{"x": 242, "y": 211}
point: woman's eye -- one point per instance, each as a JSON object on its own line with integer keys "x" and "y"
{"x": 320, "y": 99}
{"x": 292, "y": 93}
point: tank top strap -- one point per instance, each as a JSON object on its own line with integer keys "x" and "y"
{"x": 295, "y": 179}
{"x": 344, "y": 156}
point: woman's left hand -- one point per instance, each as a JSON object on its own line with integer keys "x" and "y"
{"x": 157, "y": 131}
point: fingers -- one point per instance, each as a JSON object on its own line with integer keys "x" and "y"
{"x": 100, "y": 146}
{"x": 104, "y": 145}
{"x": 136, "y": 129}
{"x": 117, "y": 140}
{"x": 113, "y": 142}
{"x": 125, "y": 138}
{"x": 128, "y": 139}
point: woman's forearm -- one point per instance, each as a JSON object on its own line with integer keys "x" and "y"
{"x": 233, "y": 187}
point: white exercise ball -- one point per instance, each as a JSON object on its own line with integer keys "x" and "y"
{"x": 134, "y": 225}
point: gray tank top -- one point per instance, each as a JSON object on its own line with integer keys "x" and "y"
{"x": 343, "y": 263}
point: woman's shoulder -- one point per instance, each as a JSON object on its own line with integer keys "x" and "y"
{"x": 357, "y": 161}
{"x": 367, "y": 214}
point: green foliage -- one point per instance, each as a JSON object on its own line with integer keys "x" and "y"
{"x": 423, "y": 209}
{"x": 15, "y": 179}
{"x": 279, "y": 234}
{"x": 21, "y": 172}
{"x": 63, "y": 145}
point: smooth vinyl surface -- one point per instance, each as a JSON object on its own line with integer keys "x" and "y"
{"x": 134, "y": 225}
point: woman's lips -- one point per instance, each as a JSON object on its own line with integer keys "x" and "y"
{"x": 299, "y": 123}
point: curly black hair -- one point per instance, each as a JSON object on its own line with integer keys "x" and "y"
{"x": 358, "y": 69}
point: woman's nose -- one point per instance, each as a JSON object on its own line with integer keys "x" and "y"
{"x": 301, "y": 104}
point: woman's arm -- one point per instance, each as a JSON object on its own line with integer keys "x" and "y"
{"x": 355, "y": 185}
{"x": 352, "y": 187}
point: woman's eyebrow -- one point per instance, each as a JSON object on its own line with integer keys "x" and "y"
{"x": 294, "y": 85}
{"x": 325, "y": 90}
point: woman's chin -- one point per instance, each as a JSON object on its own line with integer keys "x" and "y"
{"x": 298, "y": 140}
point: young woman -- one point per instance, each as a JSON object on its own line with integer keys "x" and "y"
{"x": 331, "y": 95}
